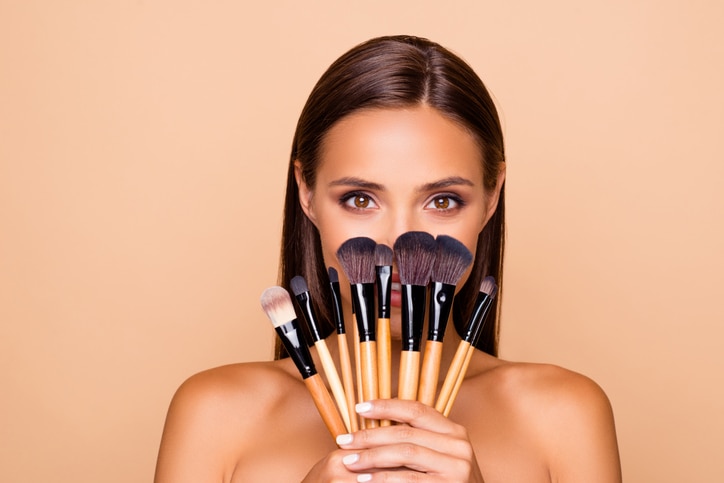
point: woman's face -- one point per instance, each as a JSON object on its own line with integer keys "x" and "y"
{"x": 384, "y": 172}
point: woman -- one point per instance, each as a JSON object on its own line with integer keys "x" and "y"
{"x": 398, "y": 135}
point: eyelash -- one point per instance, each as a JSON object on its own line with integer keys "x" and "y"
{"x": 345, "y": 200}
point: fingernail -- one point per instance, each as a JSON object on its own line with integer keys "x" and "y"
{"x": 364, "y": 477}
{"x": 344, "y": 439}
{"x": 363, "y": 408}
{"x": 350, "y": 459}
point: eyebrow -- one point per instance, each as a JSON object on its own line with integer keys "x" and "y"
{"x": 435, "y": 185}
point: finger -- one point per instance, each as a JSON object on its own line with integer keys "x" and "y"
{"x": 414, "y": 413}
{"x": 418, "y": 459}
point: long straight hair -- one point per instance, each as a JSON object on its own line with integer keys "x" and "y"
{"x": 394, "y": 72}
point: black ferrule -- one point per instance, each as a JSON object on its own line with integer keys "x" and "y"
{"x": 441, "y": 298}
{"x": 337, "y": 307}
{"x": 384, "y": 290}
{"x": 363, "y": 300}
{"x": 296, "y": 346}
{"x": 305, "y": 303}
{"x": 413, "y": 315}
{"x": 477, "y": 318}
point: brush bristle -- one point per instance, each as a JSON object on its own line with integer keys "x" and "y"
{"x": 278, "y": 305}
{"x": 298, "y": 285}
{"x": 383, "y": 255}
{"x": 333, "y": 275}
{"x": 357, "y": 257}
{"x": 488, "y": 286}
{"x": 452, "y": 259}
{"x": 415, "y": 252}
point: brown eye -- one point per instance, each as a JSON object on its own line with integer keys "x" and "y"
{"x": 442, "y": 203}
{"x": 361, "y": 201}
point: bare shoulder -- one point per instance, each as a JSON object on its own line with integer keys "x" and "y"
{"x": 565, "y": 415}
{"x": 214, "y": 416}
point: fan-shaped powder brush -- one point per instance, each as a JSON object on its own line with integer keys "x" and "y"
{"x": 415, "y": 254}
{"x": 451, "y": 262}
{"x": 278, "y": 306}
{"x": 357, "y": 257}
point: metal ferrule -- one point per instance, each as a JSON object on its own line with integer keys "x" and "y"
{"x": 441, "y": 298}
{"x": 363, "y": 299}
{"x": 384, "y": 291}
{"x": 413, "y": 315}
{"x": 293, "y": 340}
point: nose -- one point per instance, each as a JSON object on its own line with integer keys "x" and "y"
{"x": 397, "y": 223}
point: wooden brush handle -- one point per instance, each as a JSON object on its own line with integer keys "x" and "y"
{"x": 459, "y": 381}
{"x": 335, "y": 383}
{"x": 409, "y": 375}
{"x": 357, "y": 368}
{"x": 384, "y": 362}
{"x": 325, "y": 405}
{"x": 452, "y": 375}
{"x": 347, "y": 380}
{"x": 430, "y": 372}
{"x": 370, "y": 388}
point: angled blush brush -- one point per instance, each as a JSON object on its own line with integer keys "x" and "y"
{"x": 357, "y": 257}
{"x": 415, "y": 253}
{"x": 278, "y": 306}
{"x": 383, "y": 270}
{"x": 466, "y": 347}
{"x": 304, "y": 299}
{"x": 344, "y": 361}
{"x": 451, "y": 262}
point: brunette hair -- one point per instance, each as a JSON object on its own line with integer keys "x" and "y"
{"x": 394, "y": 72}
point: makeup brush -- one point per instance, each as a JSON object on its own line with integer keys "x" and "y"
{"x": 278, "y": 306}
{"x": 344, "y": 361}
{"x": 415, "y": 253}
{"x": 357, "y": 257}
{"x": 304, "y": 299}
{"x": 466, "y": 347}
{"x": 484, "y": 310}
{"x": 383, "y": 270}
{"x": 451, "y": 261}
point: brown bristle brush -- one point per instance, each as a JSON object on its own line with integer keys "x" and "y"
{"x": 344, "y": 360}
{"x": 278, "y": 306}
{"x": 466, "y": 348}
{"x": 383, "y": 269}
{"x": 357, "y": 257}
{"x": 415, "y": 254}
{"x": 451, "y": 262}
{"x": 304, "y": 299}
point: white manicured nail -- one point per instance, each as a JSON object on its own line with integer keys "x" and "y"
{"x": 350, "y": 459}
{"x": 364, "y": 477}
{"x": 344, "y": 439}
{"x": 363, "y": 408}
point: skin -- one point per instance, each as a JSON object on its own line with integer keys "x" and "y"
{"x": 382, "y": 173}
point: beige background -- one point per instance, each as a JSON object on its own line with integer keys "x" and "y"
{"x": 143, "y": 146}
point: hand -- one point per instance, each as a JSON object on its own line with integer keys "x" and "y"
{"x": 425, "y": 447}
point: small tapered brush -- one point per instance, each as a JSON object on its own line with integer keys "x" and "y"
{"x": 383, "y": 270}
{"x": 480, "y": 317}
{"x": 357, "y": 257}
{"x": 344, "y": 360}
{"x": 278, "y": 306}
{"x": 466, "y": 347}
{"x": 452, "y": 260}
{"x": 304, "y": 299}
{"x": 415, "y": 254}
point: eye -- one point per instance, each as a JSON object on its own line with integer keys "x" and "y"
{"x": 357, "y": 201}
{"x": 444, "y": 203}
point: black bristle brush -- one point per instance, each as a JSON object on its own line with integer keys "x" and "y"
{"x": 304, "y": 299}
{"x": 357, "y": 257}
{"x": 383, "y": 270}
{"x": 452, "y": 260}
{"x": 415, "y": 253}
{"x": 278, "y": 306}
{"x": 466, "y": 347}
{"x": 344, "y": 360}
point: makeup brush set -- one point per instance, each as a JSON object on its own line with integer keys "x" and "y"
{"x": 425, "y": 264}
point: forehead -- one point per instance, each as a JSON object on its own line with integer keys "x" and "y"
{"x": 411, "y": 142}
